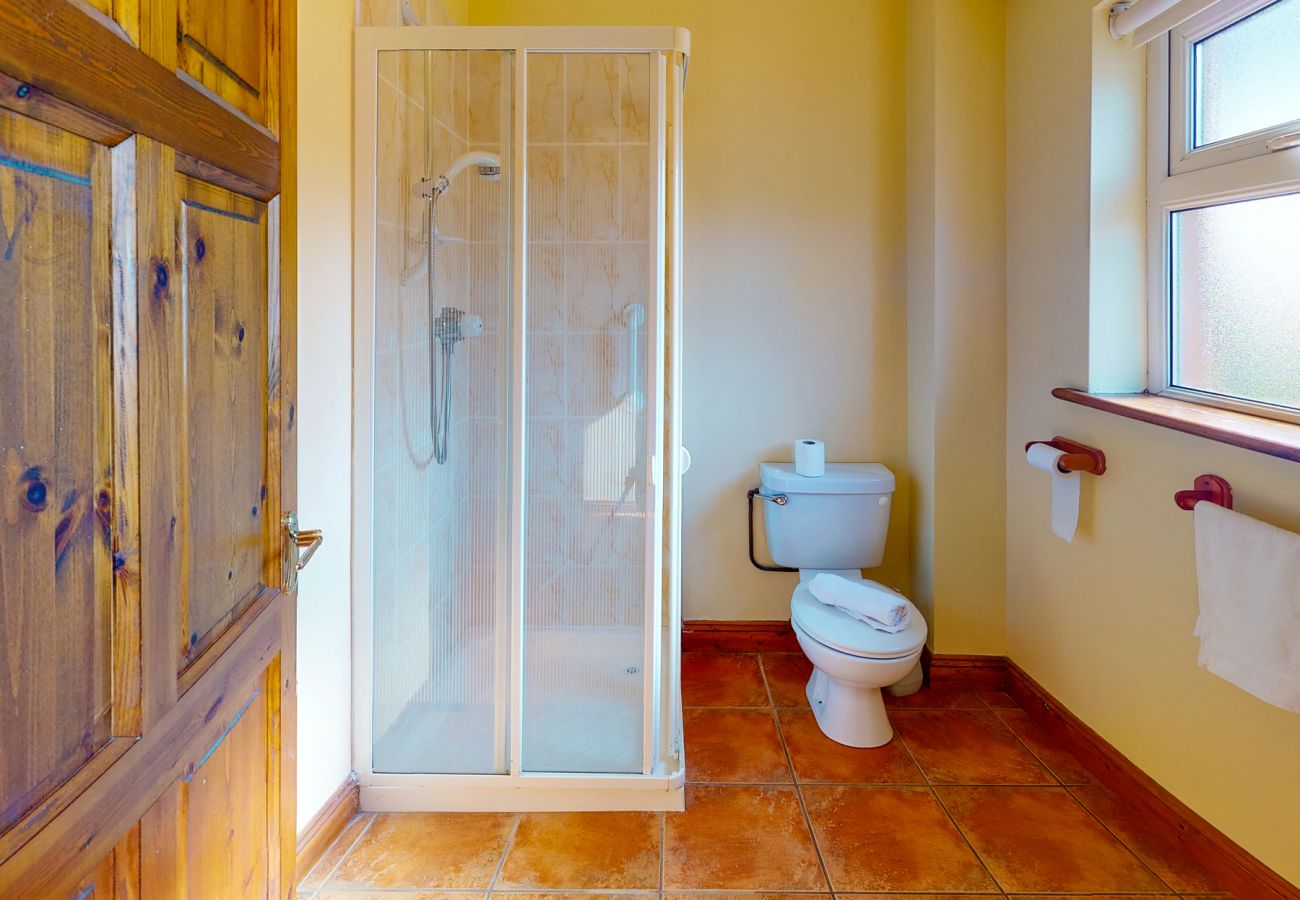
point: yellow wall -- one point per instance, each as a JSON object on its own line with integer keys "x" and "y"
{"x": 794, "y": 257}
{"x": 800, "y": 287}
{"x": 1106, "y": 623}
{"x": 957, "y": 318}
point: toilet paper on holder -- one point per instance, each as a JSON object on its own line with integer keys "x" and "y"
{"x": 1065, "y": 489}
{"x": 809, "y": 458}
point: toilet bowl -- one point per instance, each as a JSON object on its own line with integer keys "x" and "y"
{"x": 837, "y": 522}
{"x": 851, "y": 663}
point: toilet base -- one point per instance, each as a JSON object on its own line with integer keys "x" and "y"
{"x": 848, "y": 714}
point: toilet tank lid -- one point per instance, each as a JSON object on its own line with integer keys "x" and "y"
{"x": 840, "y": 478}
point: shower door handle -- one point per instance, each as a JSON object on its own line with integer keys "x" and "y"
{"x": 295, "y": 542}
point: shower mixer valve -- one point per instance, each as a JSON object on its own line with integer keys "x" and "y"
{"x": 454, "y": 325}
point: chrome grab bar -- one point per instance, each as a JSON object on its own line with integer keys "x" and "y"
{"x": 634, "y": 318}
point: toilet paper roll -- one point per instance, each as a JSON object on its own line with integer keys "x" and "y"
{"x": 810, "y": 458}
{"x": 1065, "y": 490}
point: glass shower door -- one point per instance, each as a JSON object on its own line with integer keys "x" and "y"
{"x": 441, "y": 329}
{"x": 593, "y": 381}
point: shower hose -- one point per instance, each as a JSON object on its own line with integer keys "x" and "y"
{"x": 439, "y": 412}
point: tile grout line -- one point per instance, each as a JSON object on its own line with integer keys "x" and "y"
{"x": 1028, "y": 749}
{"x": 663, "y": 844}
{"x": 1123, "y": 843}
{"x": 329, "y": 876}
{"x": 794, "y": 777}
{"x": 943, "y": 806}
{"x": 501, "y": 863}
{"x": 1070, "y": 793}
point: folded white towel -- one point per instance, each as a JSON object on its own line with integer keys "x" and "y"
{"x": 878, "y": 607}
{"x": 1248, "y": 582}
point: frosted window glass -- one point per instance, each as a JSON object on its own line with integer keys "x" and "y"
{"x": 1248, "y": 75}
{"x": 1236, "y": 300}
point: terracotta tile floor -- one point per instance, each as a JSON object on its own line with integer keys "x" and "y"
{"x": 971, "y": 798}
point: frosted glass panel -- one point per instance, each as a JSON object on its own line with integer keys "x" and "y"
{"x": 587, "y": 303}
{"x": 438, "y": 648}
{"x": 1248, "y": 75}
{"x": 1236, "y": 297}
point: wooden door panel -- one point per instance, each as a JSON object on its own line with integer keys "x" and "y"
{"x": 230, "y": 48}
{"x": 125, "y": 14}
{"x": 146, "y": 447}
{"x": 226, "y": 806}
{"x": 117, "y": 877}
{"x": 55, "y": 540}
{"x": 209, "y": 827}
{"x": 223, "y": 239}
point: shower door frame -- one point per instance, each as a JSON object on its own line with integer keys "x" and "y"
{"x": 655, "y": 788}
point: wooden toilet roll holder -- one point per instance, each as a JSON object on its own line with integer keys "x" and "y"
{"x": 1078, "y": 457}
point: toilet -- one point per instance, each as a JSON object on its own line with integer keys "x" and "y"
{"x": 837, "y": 523}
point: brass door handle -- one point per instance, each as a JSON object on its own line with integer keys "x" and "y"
{"x": 296, "y": 541}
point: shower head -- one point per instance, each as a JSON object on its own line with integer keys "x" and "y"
{"x": 489, "y": 168}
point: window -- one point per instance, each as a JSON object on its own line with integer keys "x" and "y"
{"x": 1224, "y": 201}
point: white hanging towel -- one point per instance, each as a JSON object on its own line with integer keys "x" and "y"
{"x": 1248, "y": 581}
{"x": 878, "y": 607}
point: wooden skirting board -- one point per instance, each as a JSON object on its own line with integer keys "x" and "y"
{"x": 1218, "y": 854}
{"x": 739, "y": 637}
{"x": 327, "y": 824}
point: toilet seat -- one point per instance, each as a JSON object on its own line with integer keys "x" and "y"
{"x": 840, "y": 631}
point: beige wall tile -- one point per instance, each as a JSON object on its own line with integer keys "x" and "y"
{"x": 483, "y": 532}
{"x": 591, "y": 97}
{"x": 544, "y": 597}
{"x": 460, "y": 91}
{"x": 546, "y": 208}
{"x": 487, "y": 203}
{"x": 593, "y": 369}
{"x": 390, "y": 152}
{"x": 591, "y": 280}
{"x": 546, "y": 383}
{"x": 484, "y": 96}
{"x": 484, "y": 454}
{"x": 634, "y": 90}
{"x": 548, "y": 458}
{"x": 481, "y": 364}
{"x": 388, "y": 264}
{"x": 487, "y": 264}
{"x": 600, "y": 538}
{"x": 546, "y": 281}
{"x": 443, "y": 89}
{"x": 634, "y": 192}
{"x": 546, "y": 111}
{"x": 633, "y": 275}
{"x": 591, "y": 188}
{"x": 547, "y": 534}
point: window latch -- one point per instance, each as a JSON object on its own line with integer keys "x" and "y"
{"x": 1284, "y": 141}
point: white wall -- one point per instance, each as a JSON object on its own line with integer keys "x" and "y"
{"x": 324, "y": 396}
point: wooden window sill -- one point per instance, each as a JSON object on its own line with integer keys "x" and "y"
{"x": 1281, "y": 439}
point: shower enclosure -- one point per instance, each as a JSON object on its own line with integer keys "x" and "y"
{"x": 517, "y": 432}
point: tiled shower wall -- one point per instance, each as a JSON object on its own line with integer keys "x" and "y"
{"x": 429, "y": 518}
{"x": 588, "y": 246}
{"x": 436, "y": 526}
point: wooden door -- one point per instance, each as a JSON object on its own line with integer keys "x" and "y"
{"x": 146, "y": 449}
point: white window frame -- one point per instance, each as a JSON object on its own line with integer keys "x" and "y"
{"x": 1181, "y": 177}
